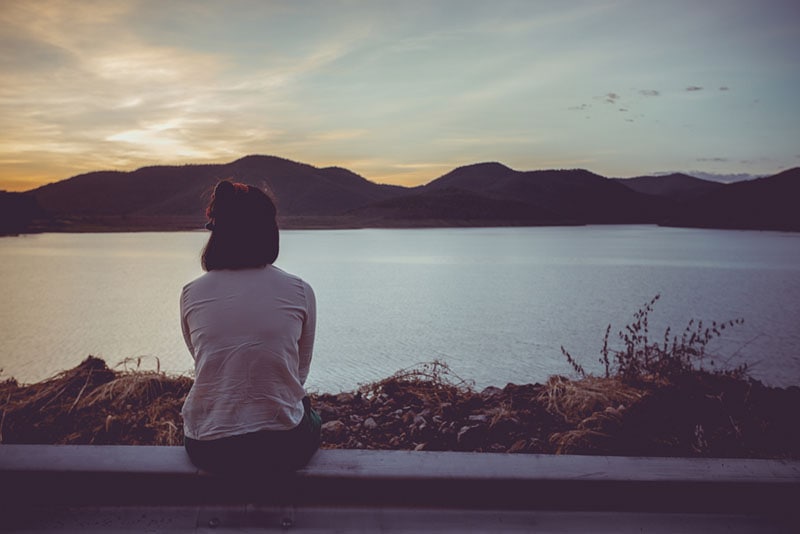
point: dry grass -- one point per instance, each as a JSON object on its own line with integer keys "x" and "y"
{"x": 593, "y": 406}
{"x": 94, "y": 404}
{"x": 575, "y": 400}
{"x": 432, "y": 382}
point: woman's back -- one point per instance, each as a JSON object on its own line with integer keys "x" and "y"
{"x": 251, "y": 333}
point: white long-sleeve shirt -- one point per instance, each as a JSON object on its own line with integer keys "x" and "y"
{"x": 251, "y": 334}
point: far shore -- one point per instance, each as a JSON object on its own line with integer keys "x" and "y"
{"x": 110, "y": 224}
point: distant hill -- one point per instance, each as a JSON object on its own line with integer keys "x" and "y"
{"x": 576, "y": 195}
{"x": 17, "y": 212}
{"x": 300, "y": 189}
{"x": 483, "y": 194}
{"x": 679, "y": 187}
{"x": 455, "y": 207}
{"x": 768, "y": 203}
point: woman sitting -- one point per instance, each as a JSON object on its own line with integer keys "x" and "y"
{"x": 250, "y": 328}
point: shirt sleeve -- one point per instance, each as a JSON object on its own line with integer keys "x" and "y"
{"x": 306, "y": 342}
{"x": 187, "y": 338}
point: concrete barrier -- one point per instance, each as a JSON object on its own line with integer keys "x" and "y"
{"x": 161, "y": 480}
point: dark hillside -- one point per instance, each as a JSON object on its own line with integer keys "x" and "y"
{"x": 300, "y": 189}
{"x": 17, "y": 212}
{"x": 455, "y": 207}
{"x": 679, "y": 187}
{"x": 484, "y": 194}
{"x": 577, "y": 195}
{"x": 126, "y": 193}
{"x": 478, "y": 177}
{"x": 762, "y": 204}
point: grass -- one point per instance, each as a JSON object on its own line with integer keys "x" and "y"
{"x": 92, "y": 404}
{"x": 429, "y": 382}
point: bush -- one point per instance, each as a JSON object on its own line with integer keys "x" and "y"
{"x": 644, "y": 359}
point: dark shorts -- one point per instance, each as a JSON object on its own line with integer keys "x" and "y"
{"x": 263, "y": 451}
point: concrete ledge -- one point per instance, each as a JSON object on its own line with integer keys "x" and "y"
{"x": 60, "y": 475}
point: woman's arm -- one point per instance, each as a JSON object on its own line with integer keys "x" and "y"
{"x": 187, "y": 338}
{"x": 306, "y": 342}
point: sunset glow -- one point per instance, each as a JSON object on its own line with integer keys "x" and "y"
{"x": 399, "y": 92}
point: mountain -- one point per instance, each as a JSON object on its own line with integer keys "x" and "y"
{"x": 483, "y": 194}
{"x": 300, "y": 189}
{"x": 677, "y": 186}
{"x": 454, "y": 207}
{"x": 17, "y": 212}
{"x": 576, "y": 195}
{"x": 768, "y": 203}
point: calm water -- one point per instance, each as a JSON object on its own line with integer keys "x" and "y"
{"x": 495, "y": 304}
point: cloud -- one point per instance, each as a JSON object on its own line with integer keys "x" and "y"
{"x": 582, "y": 107}
{"x": 340, "y": 135}
{"x": 724, "y": 88}
{"x": 692, "y": 88}
{"x": 712, "y": 160}
{"x": 446, "y": 165}
{"x": 649, "y": 92}
{"x": 611, "y": 98}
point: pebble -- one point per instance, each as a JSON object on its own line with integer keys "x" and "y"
{"x": 370, "y": 424}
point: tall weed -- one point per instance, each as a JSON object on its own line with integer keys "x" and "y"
{"x": 643, "y": 357}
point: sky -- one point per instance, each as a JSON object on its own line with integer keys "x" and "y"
{"x": 399, "y": 91}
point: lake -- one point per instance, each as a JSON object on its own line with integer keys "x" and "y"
{"x": 495, "y": 304}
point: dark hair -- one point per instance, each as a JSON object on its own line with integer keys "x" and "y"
{"x": 244, "y": 229}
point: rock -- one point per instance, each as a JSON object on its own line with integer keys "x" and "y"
{"x": 333, "y": 430}
{"x": 470, "y": 437}
{"x": 490, "y": 392}
{"x": 478, "y": 418}
{"x": 370, "y": 424}
{"x": 518, "y": 446}
{"x": 345, "y": 398}
{"x": 327, "y": 412}
{"x": 421, "y": 447}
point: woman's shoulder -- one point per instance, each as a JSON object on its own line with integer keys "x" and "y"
{"x": 280, "y": 273}
{"x": 226, "y": 277}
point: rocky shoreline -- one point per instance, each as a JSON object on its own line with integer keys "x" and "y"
{"x": 427, "y": 408}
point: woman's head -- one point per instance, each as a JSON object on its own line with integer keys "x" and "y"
{"x": 244, "y": 229}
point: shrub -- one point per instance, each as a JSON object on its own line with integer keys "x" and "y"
{"x": 644, "y": 358}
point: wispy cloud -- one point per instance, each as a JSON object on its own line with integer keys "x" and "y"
{"x": 693, "y": 88}
{"x": 649, "y": 92}
{"x": 340, "y": 135}
{"x": 490, "y": 139}
{"x": 443, "y": 165}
